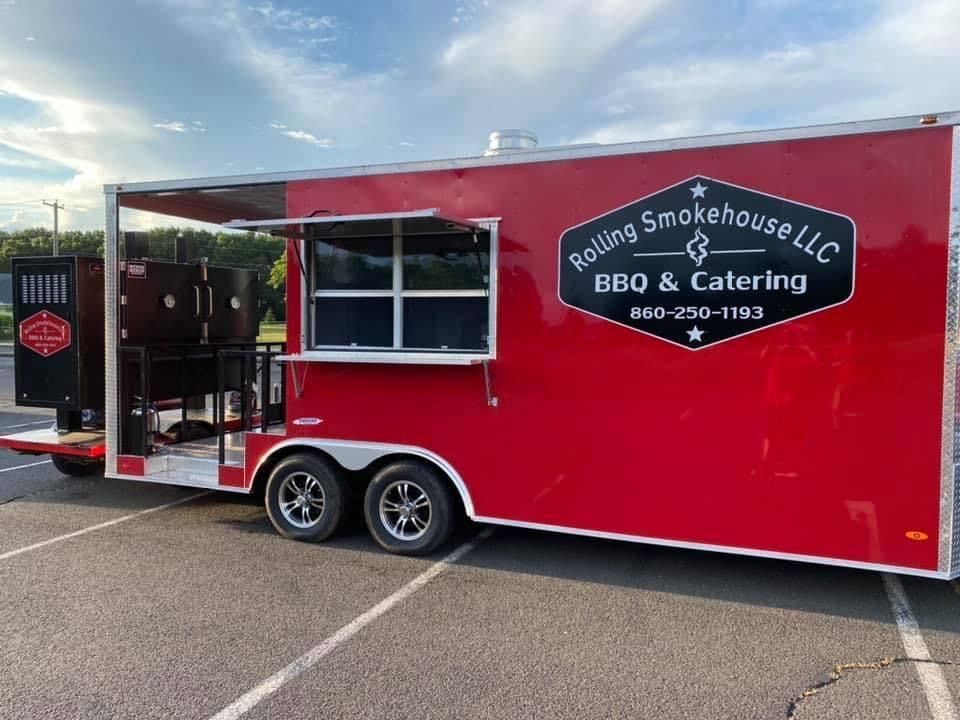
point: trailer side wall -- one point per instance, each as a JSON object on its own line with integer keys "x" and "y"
{"x": 820, "y": 436}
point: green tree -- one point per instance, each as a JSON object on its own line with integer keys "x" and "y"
{"x": 244, "y": 250}
{"x": 278, "y": 273}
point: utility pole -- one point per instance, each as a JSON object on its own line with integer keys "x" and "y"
{"x": 56, "y": 224}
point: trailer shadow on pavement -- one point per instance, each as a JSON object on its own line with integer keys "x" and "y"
{"x": 822, "y": 589}
{"x": 528, "y": 620}
{"x": 722, "y": 577}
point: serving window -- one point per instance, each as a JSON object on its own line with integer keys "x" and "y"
{"x": 420, "y": 284}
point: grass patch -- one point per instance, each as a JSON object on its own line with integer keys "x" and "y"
{"x": 6, "y": 324}
{"x": 272, "y": 332}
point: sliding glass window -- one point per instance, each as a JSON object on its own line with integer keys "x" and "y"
{"x": 418, "y": 291}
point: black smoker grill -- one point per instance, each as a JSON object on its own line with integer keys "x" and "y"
{"x": 174, "y": 316}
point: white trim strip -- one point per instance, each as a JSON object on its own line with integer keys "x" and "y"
{"x": 28, "y": 465}
{"x": 729, "y": 549}
{"x": 547, "y": 154}
{"x": 931, "y": 676}
{"x": 48, "y": 421}
{"x": 272, "y": 684}
{"x": 109, "y": 523}
{"x": 331, "y": 219}
{"x": 184, "y": 483}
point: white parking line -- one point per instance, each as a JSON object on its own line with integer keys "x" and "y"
{"x": 99, "y": 526}
{"x": 272, "y": 684}
{"x": 20, "y": 467}
{"x": 48, "y": 421}
{"x": 931, "y": 676}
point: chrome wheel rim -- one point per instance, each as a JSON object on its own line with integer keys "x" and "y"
{"x": 302, "y": 500}
{"x": 405, "y": 510}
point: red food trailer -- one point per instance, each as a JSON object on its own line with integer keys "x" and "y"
{"x": 744, "y": 343}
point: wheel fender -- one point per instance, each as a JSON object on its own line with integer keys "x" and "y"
{"x": 356, "y": 455}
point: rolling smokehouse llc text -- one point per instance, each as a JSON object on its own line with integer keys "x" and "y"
{"x": 810, "y": 242}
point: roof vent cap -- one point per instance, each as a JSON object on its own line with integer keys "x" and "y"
{"x": 508, "y": 141}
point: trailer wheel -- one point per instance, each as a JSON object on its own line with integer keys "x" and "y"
{"x": 306, "y": 498}
{"x": 75, "y": 468}
{"x": 408, "y": 509}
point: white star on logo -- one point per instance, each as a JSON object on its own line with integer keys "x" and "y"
{"x": 696, "y": 335}
{"x": 698, "y": 190}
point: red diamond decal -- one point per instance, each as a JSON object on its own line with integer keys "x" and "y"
{"x": 45, "y": 333}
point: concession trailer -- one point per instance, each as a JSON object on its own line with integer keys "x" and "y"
{"x": 744, "y": 343}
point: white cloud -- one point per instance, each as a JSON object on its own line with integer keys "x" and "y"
{"x": 292, "y": 20}
{"x": 530, "y": 41}
{"x": 13, "y": 220}
{"x": 92, "y": 141}
{"x": 891, "y": 66}
{"x": 404, "y": 143}
{"x": 619, "y": 109}
{"x": 309, "y": 90}
{"x": 171, "y": 126}
{"x": 30, "y": 39}
{"x": 309, "y": 138}
{"x": 467, "y": 10}
{"x": 278, "y": 126}
{"x": 6, "y": 161}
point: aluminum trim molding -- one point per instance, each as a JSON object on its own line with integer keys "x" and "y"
{"x": 548, "y": 154}
{"x": 949, "y": 550}
{"x": 333, "y": 219}
{"x": 731, "y": 550}
{"x": 356, "y": 455}
{"x": 179, "y": 483}
{"x": 111, "y": 343}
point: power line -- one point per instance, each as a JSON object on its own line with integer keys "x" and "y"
{"x": 23, "y": 202}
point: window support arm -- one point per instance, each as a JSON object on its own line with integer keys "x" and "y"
{"x": 488, "y": 384}
{"x": 296, "y": 251}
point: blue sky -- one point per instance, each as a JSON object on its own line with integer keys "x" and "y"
{"x": 97, "y": 91}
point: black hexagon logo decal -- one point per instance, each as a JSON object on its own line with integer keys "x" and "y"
{"x": 705, "y": 261}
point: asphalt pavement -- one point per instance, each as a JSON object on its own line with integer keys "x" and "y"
{"x": 127, "y": 600}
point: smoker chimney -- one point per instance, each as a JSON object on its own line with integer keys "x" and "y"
{"x": 507, "y": 141}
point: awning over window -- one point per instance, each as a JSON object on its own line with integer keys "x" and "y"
{"x": 427, "y": 221}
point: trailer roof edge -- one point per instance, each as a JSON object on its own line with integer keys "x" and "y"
{"x": 551, "y": 154}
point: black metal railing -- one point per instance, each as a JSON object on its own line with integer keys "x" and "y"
{"x": 202, "y": 369}
{"x": 270, "y": 412}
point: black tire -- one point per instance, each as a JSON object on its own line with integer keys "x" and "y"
{"x": 395, "y": 517}
{"x": 76, "y": 468}
{"x": 300, "y": 479}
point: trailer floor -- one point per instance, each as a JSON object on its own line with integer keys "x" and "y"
{"x": 181, "y": 611}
